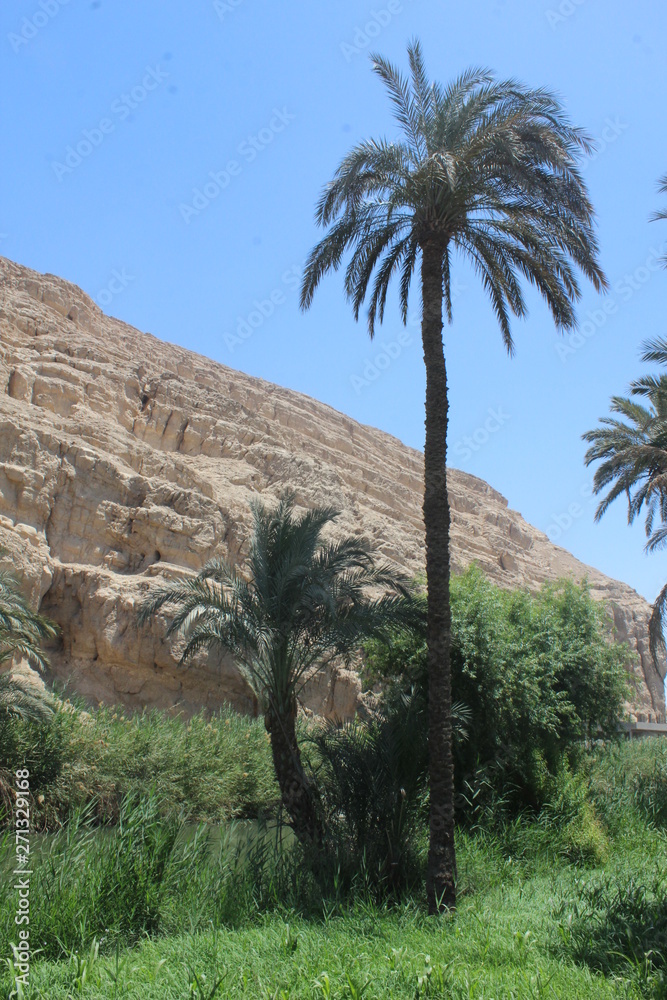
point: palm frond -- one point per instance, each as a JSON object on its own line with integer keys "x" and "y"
{"x": 22, "y": 630}
{"x": 306, "y": 600}
{"x": 656, "y": 625}
{"x": 655, "y": 351}
{"x": 485, "y": 167}
{"x": 406, "y": 110}
{"x": 22, "y": 700}
{"x": 662, "y": 214}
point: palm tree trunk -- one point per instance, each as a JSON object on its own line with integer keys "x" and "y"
{"x": 441, "y": 872}
{"x": 296, "y": 791}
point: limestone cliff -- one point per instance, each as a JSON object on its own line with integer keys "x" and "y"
{"x": 124, "y": 460}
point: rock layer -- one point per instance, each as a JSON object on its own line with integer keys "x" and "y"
{"x": 125, "y": 460}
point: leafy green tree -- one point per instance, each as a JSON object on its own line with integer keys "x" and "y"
{"x": 486, "y": 169}
{"x": 538, "y": 675}
{"x": 303, "y": 601}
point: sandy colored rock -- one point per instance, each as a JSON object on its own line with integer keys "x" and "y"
{"x": 125, "y": 460}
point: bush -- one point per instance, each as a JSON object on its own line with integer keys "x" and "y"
{"x": 40, "y": 744}
{"x": 538, "y": 674}
{"x": 569, "y": 813}
{"x": 372, "y": 776}
{"x": 211, "y": 768}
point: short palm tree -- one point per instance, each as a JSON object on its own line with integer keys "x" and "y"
{"x": 632, "y": 450}
{"x": 486, "y": 169}
{"x": 303, "y": 601}
{"x": 22, "y": 632}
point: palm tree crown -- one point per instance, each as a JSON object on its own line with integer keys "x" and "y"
{"x": 484, "y": 167}
{"x": 632, "y": 451}
{"x": 304, "y": 600}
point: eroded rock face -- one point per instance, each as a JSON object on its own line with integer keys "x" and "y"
{"x": 125, "y": 460}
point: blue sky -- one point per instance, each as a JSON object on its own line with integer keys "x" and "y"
{"x": 255, "y": 103}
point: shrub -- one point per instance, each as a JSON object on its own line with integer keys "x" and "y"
{"x": 569, "y": 813}
{"x": 372, "y": 779}
{"x": 538, "y": 674}
{"x": 39, "y": 744}
{"x": 211, "y": 768}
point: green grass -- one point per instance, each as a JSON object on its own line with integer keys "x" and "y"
{"x": 529, "y": 923}
{"x": 499, "y": 945}
{"x": 629, "y": 782}
{"x": 569, "y": 903}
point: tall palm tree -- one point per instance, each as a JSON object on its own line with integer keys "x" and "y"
{"x": 302, "y": 601}
{"x": 487, "y": 169}
{"x": 22, "y": 632}
{"x": 632, "y": 450}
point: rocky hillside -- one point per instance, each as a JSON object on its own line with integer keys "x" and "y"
{"x": 124, "y": 460}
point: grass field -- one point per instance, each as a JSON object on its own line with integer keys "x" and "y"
{"x": 569, "y": 903}
{"x": 529, "y": 925}
{"x": 500, "y": 945}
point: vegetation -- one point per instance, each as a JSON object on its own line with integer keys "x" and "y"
{"x": 22, "y": 632}
{"x": 537, "y": 679}
{"x": 204, "y": 769}
{"x": 150, "y": 888}
{"x": 372, "y": 775}
{"x": 154, "y": 908}
{"x": 628, "y": 785}
{"x": 487, "y": 169}
{"x": 306, "y": 601}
